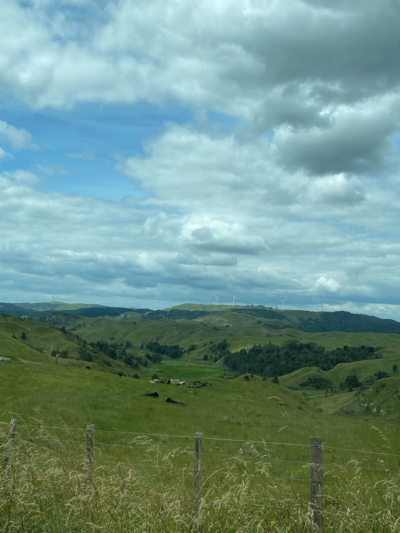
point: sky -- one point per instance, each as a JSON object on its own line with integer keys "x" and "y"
{"x": 154, "y": 152}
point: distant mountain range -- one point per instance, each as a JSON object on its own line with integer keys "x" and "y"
{"x": 277, "y": 319}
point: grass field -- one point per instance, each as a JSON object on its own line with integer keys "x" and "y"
{"x": 143, "y": 455}
{"x": 256, "y": 433}
{"x": 54, "y": 489}
{"x": 237, "y": 409}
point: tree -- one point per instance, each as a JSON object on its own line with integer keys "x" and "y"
{"x": 205, "y": 357}
{"x": 85, "y": 356}
{"x": 395, "y": 368}
{"x": 351, "y": 382}
{"x": 23, "y": 336}
{"x": 275, "y": 380}
{"x": 128, "y": 360}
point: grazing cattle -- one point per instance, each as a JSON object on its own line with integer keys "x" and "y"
{"x": 199, "y": 384}
{"x": 152, "y": 394}
{"x": 88, "y": 367}
{"x": 170, "y": 400}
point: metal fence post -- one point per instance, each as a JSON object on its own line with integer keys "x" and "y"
{"x": 316, "y": 481}
{"x": 198, "y": 445}
{"x": 89, "y": 447}
{"x": 11, "y": 436}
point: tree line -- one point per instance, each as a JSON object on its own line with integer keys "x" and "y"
{"x": 271, "y": 360}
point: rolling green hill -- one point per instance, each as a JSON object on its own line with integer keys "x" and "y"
{"x": 122, "y": 342}
{"x": 152, "y": 439}
{"x": 26, "y": 340}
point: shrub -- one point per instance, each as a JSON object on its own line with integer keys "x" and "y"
{"x": 317, "y": 382}
{"x": 351, "y": 382}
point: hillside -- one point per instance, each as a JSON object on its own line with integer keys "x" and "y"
{"x": 316, "y": 322}
{"x": 152, "y": 437}
{"x": 46, "y": 309}
{"x": 25, "y": 340}
{"x": 309, "y": 321}
{"x": 190, "y": 341}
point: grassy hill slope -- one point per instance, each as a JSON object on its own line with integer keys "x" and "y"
{"x": 232, "y": 409}
{"x": 32, "y": 341}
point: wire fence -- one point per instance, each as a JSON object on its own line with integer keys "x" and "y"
{"x": 246, "y": 442}
{"x": 256, "y": 459}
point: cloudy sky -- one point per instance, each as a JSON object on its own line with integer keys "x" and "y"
{"x": 154, "y": 152}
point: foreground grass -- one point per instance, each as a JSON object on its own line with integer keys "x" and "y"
{"x": 49, "y": 487}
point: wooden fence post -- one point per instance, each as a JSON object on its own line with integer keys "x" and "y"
{"x": 89, "y": 447}
{"x": 316, "y": 481}
{"x": 11, "y": 436}
{"x": 198, "y": 445}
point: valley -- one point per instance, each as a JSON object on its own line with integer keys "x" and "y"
{"x": 62, "y": 371}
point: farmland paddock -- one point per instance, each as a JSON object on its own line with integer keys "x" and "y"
{"x": 127, "y": 481}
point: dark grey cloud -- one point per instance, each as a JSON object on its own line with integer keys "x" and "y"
{"x": 357, "y": 142}
{"x": 353, "y": 50}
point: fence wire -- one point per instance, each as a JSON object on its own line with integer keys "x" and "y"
{"x": 217, "y": 439}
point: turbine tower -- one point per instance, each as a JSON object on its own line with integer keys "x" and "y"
{"x": 216, "y": 300}
{"x": 233, "y": 300}
{"x": 283, "y": 303}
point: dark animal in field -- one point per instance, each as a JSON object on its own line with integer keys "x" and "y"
{"x": 170, "y": 400}
{"x": 88, "y": 367}
{"x": 199, "y": 385}
{"x": 152, "y": 394}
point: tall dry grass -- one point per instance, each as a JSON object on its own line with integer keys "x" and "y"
{"x": 50, "y": 488}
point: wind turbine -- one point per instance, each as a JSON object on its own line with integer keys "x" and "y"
{"x": 283, "y": 303}
{"x": 3, "y": 295}
{"x": 216, "y": 300}
{"x": 233, "y": 300}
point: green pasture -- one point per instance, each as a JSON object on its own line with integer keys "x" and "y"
{"x": 251, "y": 427}
{"x": 231, "y": 409}
{"x": 38, "y": 335}
{"x": 186, "y": 370}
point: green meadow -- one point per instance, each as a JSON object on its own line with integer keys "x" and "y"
{"x": 256, "y": 433}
